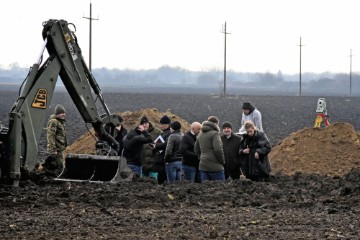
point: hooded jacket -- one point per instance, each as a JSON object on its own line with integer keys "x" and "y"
{"x": 209, "y": 148}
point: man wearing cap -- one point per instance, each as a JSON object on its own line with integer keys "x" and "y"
{"x": 148, "y": 156}
{"x": 250, "y": 113}
{"x": 231, "y": 146}
{"x": 56, "y": 138}
{"x": 173, "y": 158}
{"x": 159, "y": 148}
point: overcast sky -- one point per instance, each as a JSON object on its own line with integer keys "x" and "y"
{"x": 147, "y": 34}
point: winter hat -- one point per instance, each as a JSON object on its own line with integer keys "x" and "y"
{"x": 175, "y": 125}
{"x": 120, "y": 118}
{"x": 247, "y": 106}
{"x": 213, "y": 119}
{"x": 59, "y": 109}
{"x": 165, "y": 120}
{"x": 143, "y": 120}
{"x": 226, "y": 125}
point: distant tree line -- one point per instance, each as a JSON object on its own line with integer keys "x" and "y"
{"x": 166, "y": 76}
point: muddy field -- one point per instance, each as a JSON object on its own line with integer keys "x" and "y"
{"x": 300, "y": 206}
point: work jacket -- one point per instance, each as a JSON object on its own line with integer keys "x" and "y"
{"x": 172, "y": 153}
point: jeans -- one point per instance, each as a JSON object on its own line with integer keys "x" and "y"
{"x": 136, "y": 169}
{"x": 173, "y": 171}
{"x": 191, "y": 173}
{"x": 208, "y": 176}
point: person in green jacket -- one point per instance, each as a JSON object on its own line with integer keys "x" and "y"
{"x": 209, "y": 148}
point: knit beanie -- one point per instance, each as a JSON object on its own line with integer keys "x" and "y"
{"x": 247, "y": 106}
{"x": 59, "y": 109}
{"x": 165, "y": 120}
{"x": 175, "y": 125}
{"x": 143, "y": 120}
{"x": 226, "y": 125}
{"x": 120, "y": 120}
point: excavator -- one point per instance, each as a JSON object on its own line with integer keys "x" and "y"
{"x": 19, "y": 142}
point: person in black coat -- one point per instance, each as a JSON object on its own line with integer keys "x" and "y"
{"x": 190, "y": 160}
{"x": 231, "y": 146}
{"x": 254, "y": 150}
{"x": 133, "y": 147}
{"x": 118, "y": 132}
{"x": 160, "y": 147}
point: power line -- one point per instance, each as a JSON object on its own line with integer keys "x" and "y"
{"x": 350, "y": 71}
{"x": 225, "y": 33}
{"x": 300, "y": 68}
{"x": 90, "y": 18}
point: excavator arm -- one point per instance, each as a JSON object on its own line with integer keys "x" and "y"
{"x": 27, "y": 116}
{"x": 77, "y": 79}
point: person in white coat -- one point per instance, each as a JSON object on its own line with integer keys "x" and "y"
{"x": 250, "y": 113}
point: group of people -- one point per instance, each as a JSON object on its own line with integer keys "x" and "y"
{"x": 205, "y": 152}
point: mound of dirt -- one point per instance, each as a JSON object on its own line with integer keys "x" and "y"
{"x": 331, "y": 151}
{"x": 85, "y": 144}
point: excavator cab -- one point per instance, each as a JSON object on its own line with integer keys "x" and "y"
{"x": 19, "y": 142}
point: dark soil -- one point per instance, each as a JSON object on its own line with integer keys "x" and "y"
{"x": 301, "y": 206}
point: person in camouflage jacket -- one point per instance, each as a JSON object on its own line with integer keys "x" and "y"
{"x": 56, "y": 138}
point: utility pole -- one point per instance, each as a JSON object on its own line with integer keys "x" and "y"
{"x": 90, "y": 33}
{"x": 300, "y": 68}
{"x": 224, "y": 31}
{"x": 350, "y": 70}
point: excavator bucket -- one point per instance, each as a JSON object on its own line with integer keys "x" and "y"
{"x": 95, "y": 168}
